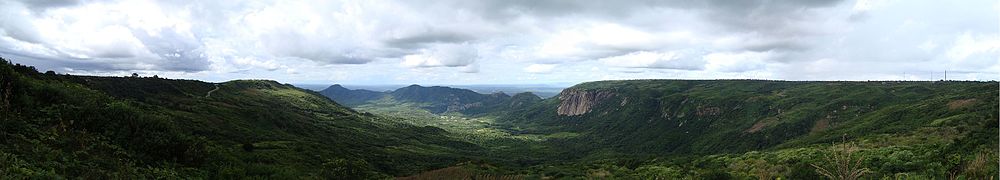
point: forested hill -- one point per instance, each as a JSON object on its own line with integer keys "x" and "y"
{"x": 436, "y": 99}
{"x": 707, "y": 117}
{"x": 141, "y": 127}
{"x": 55, "y": 126}
{"x": 350, "y": 97}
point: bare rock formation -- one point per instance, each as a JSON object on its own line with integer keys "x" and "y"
{"x": 576, "y": 102}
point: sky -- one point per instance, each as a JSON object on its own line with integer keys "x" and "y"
{"x": 506, "y": 41}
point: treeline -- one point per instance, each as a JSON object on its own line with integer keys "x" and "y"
{"x": 60, "y": 126}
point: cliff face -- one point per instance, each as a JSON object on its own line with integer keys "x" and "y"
{"x": 577, "y": 102}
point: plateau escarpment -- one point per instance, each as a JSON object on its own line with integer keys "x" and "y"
{"x": 680, "y": 116}
{"x": 578, "y": 102}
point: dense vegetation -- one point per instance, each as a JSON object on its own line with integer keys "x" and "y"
{"x": 132, "y": 127}
{"x": 436, "y": 99}
{"x": 56, "y": 126}
{"x": 915, "y": 129}
{"x": 350, "y": 97}
{"x": 741, "y": 129}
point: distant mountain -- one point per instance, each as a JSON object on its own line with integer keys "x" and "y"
{"x": 541, "y": 90}
{"x": 522, "y": 100}
{"x": 440, "y": 99}
{"x": 56, "y": 126}
{"x": 350, "y": 97}
{"x": 436, "y": 99}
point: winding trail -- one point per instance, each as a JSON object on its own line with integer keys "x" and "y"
{"x": 213, "y": 90}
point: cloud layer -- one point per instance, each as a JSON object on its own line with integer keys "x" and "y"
{"x": 506, "y": 41}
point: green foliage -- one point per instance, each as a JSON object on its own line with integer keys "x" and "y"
{"x": 56, "y": 126}
{"x": 434, "y": 99}
{"x": 347, "y": 169}
{"x": 136, "y": 128}
{"x": 350, "y": 97}
{"x": 842, "y": 165}
{"x": 903, "y": 128}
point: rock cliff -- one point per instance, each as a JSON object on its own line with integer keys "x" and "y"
{"x": 577, "y": 102}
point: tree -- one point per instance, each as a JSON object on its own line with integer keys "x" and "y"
{"x": 347, "y": 169}
{"x": 248, "y": 147}
{"x": 845, "y": 166}
{"x": 658, "y": 172}
{"x": 135, "y": 75}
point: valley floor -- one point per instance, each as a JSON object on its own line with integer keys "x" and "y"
{"x": 914, "y": 153}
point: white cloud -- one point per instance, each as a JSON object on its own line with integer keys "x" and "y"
{"x": 966, "y": 45}
{"x": 928, "y": 46}
{"x": 479, "y": 41}
{"x": 471, "y": 68}
{"x": 660, "y": 60}
{"x": 540, "y": 68}
{"x": 736, "y": 62}
{"x": 442, "y": 55}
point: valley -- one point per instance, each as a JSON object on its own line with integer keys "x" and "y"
{"x": 146, "y": 127}
{"x": 622, "y": 129}
{"x": 500, "y": 89}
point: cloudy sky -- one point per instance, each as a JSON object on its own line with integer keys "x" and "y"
{"x": 506, "y": 41}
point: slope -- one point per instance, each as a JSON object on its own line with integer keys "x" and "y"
{"x": 436, "y": 99}
{"x": 350, "y": 97}
{"x": 737, "y": 116}
{"x": 112, "y": 127}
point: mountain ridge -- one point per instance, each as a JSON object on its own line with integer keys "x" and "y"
{"x": 350, "y": 97}
{"x": 56, "y": 126}
{"x": 758, "y": 108}
{"x": 141, "y": 127}
{"x": 436, "y": 99}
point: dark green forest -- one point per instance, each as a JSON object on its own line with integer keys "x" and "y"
{"x": 56, "y": 126}
{"x": 138, "y": 127}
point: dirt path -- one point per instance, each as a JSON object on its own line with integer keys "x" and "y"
{"x": 213, "y": 90}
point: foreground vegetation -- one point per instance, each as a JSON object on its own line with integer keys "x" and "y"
{"x": 132, "y": 127}
{"x": 741, "y": 129}
{"x": 61, "y": 126}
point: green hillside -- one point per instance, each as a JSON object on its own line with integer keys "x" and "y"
{"x": 941, "y": 125}
{"x": 436, "y": 99}
{"x": 350, "y": 97}
{"x": 131, "y": 127}
{"x": 62, "y": 126}
{"x": 644, "y": 129}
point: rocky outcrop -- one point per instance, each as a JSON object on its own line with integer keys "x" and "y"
{"x": 576, "y": 102}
